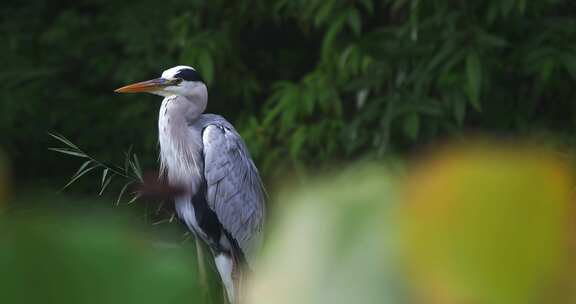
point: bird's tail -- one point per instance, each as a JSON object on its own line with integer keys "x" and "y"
{"x": 228, "y": 269}
{"x": 233, "y": 274}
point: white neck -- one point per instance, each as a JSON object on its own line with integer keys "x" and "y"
{"x": 180, "y": 146}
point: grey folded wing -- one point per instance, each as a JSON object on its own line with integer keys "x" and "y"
{"x": 234, "y": 188}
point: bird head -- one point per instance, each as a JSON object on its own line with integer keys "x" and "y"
{"x": 180, "y": 80}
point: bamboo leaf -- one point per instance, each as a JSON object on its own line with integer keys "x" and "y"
{"x": 474, "y": 79}
{"x": 134, "y": 198}
{"x": 368, "y": 5}
{"x": 79, "y": 174}
{"x": 297, "y": 142}
{"x": 82, "y": 167}
{"x": 105, "y": 184}
{"x": 323, "y": 13}
{"x": 331, "y": 34}
{"x": 135, "y": 164}
{"x": 104, "y": 173}
{"x": 459, "y": 109}
{"x": 127, "y": 157}
{"x": 355, "y": 22}
{"x": 397, "y": 4}
{"x": 69, "y": 152}
{"x": 122, "y": 193}
{"x": 412, "y": 125}
{"x": 63, "y": 139}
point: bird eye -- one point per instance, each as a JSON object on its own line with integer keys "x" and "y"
{"x": 176, "y": 81}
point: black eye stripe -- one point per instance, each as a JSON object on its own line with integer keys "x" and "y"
{"x": 189, "y": 75}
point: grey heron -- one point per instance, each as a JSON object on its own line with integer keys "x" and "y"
{"x": 223, "y": 200}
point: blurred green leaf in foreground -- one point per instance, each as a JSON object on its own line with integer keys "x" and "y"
{"x": 334, "y": 242}
{"x": 48, "y": 259}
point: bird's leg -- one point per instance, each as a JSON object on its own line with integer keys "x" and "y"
{"x": 202, "y": 267}
{"x": 225, "y": 296}
{"x": 225, "y": 266}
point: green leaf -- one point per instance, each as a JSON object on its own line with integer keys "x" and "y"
{"x": 122, "y": 193}
{"x": 522, "y": 6}
{"x": 297, "y": 142}
{"x": 82, "y": 167}
{"x": 569, "y": 63}
{"x": 412, "y": 126}
{"x": 309, "y": 101}
{"x": 69, "y": 152}
{"x": 135, "y": 165}
{"x": 324, "y": 13}
{"x": 488, "y": 39}
{"x": 134, "y": 198}
{"x": 397, "y": 4}
{"x": 368, "y": 5}
{"x": 546, "y": 68}
{"x": 330, "y": 36}
{"x": 105, "y": 184}
{"x": 474, "y": 79}
{"x": 506, "y": 7}
{"x": 127, "y": 158}
{"x": 459, "y": 108}
{"x": 414, "y": 19}
{"x": 446, "y": 51}
{"x": 83, "y": 170}
{"x": 355, "y": 21}
{"x": 64, "y": 140}
{"x": 104, "y": 173}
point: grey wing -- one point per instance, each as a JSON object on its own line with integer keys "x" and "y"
{"x": 234, "y": 188}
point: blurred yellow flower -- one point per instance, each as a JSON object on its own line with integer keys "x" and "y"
{"x": 487, "y": 224}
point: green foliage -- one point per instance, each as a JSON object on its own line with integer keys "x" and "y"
{"x": 406, "y": 72}
{"x": 306, "y": 82}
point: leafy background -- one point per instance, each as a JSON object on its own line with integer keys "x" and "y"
{"x": 308, "y": 83}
